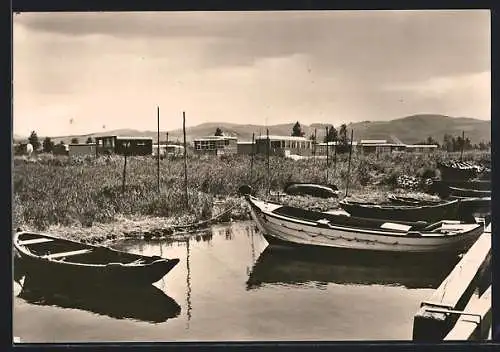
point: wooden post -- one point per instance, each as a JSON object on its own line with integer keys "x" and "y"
{"x": 185, "y": 158}
{"x": 349, "y": 165}
{"x": 334, "y": 157}
{"x": 463, "y": 144}
{"x": 251, "y": 158}
{"x": 125, "y": 167}
{"x": 158, "y": 156}
{"x": 268, "y": 164}
{"x": 327, "y": 147}
{"x": 314, "y": 149}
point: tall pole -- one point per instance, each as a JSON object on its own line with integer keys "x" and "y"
{"x": 327, "y": 147}
{"x": 268, "y": 164}
{"x": 185, "y": 158}
{"x": 158, "y": 156}
{"x": 349, "y": 165}
{"x": 334, "y": 157}
{"x": 314, "y": 149}
{"x": 251, "y": 158}
{"x": 463, "y": 143}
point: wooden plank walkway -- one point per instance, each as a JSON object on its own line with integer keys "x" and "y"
{"x": 476, "y": 323}
{"x": 432, "y": 322}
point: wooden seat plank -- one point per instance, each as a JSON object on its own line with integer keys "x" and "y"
{"x": 35, "y": 240}
{"x": 67, "y": 254}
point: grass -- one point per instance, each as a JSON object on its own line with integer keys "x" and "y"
{"x": 85, "y": 192}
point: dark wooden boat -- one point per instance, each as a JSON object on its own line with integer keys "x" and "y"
{"x": 297, "y": 267}
{"x": 311, "y": 189}
{"x": 400, "y": 200}
{"x": 292, "y": 226}
{"x": 480, "y": 185}
{"x": 145, "y": 303}
{"x": 448, "y": 210}
{"x": 457, "y": 170}
{"x": 468, "y": 193}
{"x": 45, "y": 255}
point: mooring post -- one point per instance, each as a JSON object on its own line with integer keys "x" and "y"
{"x": 124, "y": 167}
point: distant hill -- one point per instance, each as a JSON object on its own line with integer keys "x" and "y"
{"x": 410, "y": 129}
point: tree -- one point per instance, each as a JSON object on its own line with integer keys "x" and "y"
{"x": 332, "y": 135}
{"x": 89, "y": 140}
{"x": 297, "y": 130}
{"x": 343, "y": 146}
{"x": 74, "y": 140}
{"x": 33, "y": 139}
{"x": 47, "y": 145}
{"x": 218, "y": 132}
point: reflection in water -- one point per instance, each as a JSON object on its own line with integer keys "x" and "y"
{"x": 188, "y": 283}
{"x": 296, "y": 267}
{"x": 148, "y": 304}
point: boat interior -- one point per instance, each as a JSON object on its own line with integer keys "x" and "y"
{"x": 61, "y": 250}
{"x": 343, "y": 220}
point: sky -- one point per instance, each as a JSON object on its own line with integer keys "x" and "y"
{"x": 78, "y": 73}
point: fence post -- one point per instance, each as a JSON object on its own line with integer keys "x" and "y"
{"x": 251, "y": 159}
{"x": 349, "y": 165}
{"x": 158, "y": 156}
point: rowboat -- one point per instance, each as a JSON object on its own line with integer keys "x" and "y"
{"x": 468, "y": 193}
{"x": 318, "y": 267}
{"x": 145, "y": 303}
{"x": 48, "y": 256}
{"x": 480, "y": 185}
{"x": 292, "y": 226}
{"x": 311, "y": 189}
{"x": 457, "y": 170}
{"x": 400, "y": 200}
{"x": 448, "y": 210}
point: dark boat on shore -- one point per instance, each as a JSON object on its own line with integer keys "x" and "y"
{"x": 311, "y": 189}
{"x": 457, "y": 170}
{"x": 448, "y": 210}
{"x": 48, "y": 256}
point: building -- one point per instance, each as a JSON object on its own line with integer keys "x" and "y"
{"x": 421, "y": 148}
{"x": 284, "y": 145}
{"x": 81, "y": 149}
{"x": 217, "y": 145}
{"x": 121, "y": 145}
{"x": 321, "y": 147}
{"x": 377, "y": 146}
{"x": 168, "y": 149}
{"x": 245, "y": 148}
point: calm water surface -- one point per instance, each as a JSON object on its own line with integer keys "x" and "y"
{"x": 229, "y": 286}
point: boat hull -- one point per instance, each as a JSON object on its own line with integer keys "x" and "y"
{"x": 85, "y": 263}
{"x": 279, "y": 230}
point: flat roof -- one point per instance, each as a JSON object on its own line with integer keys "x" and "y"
{"x": 283, "y": 138}
{"x": 168, "y": 145}
{"x": 214, "y": 138}
{"x": 373, "y": 141}
{"x": 421, "y": 146}
{"x": 126, "y": 137}
{"x": 81, "y": 144}
{"x": 322, "y": 144}
{"x": 382, "y": 145}
{"x": 246, "y": 142}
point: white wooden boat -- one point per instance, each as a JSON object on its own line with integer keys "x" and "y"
{"x": 284, "y": 225}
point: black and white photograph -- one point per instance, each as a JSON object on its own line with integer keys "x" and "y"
{"x": 221, "y": 176}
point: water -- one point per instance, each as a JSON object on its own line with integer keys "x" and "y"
{"x": 229, "y": 287}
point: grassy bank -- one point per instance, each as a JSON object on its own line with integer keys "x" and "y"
{"x": 60, "y": 192}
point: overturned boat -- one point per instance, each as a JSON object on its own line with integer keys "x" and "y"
{"x": 433, "y": 212}
{"x": 285, "y": 225}
{"x": 44, "y": 255}
{"x": 311, "y": 189}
